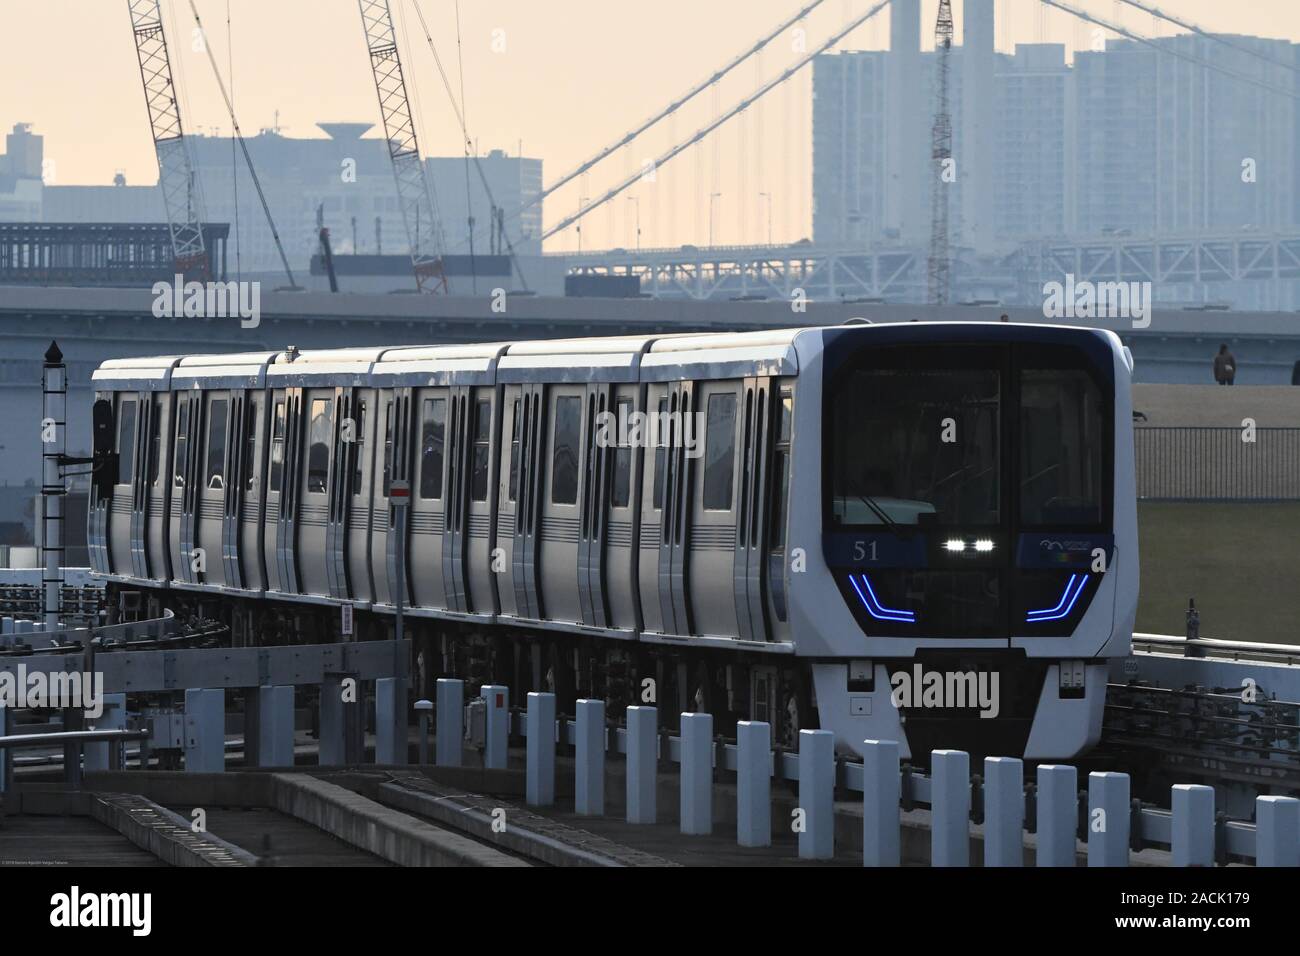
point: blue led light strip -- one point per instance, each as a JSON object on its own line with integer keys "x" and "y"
{"x": 878, "y": 610}
{"x": 1073, "y": 588}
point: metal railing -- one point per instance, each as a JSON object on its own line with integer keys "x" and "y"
{"x": 1201, "y": 463}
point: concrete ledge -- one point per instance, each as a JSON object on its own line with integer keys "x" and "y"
{"x": 165, "y": 834}
{"x": 387, "y": 833}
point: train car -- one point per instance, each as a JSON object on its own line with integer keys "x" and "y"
{"x": 923, "y": 532}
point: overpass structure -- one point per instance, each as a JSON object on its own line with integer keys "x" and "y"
{"x": 92, "y": 325}
{"x": 1188, "y": 268}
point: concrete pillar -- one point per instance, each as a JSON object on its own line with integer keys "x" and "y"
{"x": 275, "y": 726}
{"x": 1058, "y": 808}
{"x": 950, "y": 808}
{"x": 540, "y": 759}
{"x": 496, "y": 725}
{"x": 341, "y": 732}
{"x": 451, "y": 722}
{"x": 388, "y": 748}
{"x": 1108, "y": 830}
{"x": 1192, "y": 825}
{"x": 205, "y": 730}
{"x": 98, "y": 756}
{"x": 642, "y": 764}
{"x": 1277, "y": 831}
{"x": 817, "y": 794}
{"x": 697, "y": 774}
{"x": 1004, "y": 812}
{"x": 881, "y": 793}
{"x": 754, "y": 783}
{"x": 589, "y": 755}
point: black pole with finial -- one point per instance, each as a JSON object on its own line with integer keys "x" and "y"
{"x": 54, "y": 387}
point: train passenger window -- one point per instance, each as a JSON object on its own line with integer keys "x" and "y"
{"x": 660, "y": 433}
{"x": 1062, "y": 448}
{"x": 277, "y": 447}
{"x": 216, "y": 444}
{"x": 126, "y": 442}
{"x": 359, "y": 447}
{"x": 482, "y": 448}
{"x": 433, "y": 437}
{"x": 318, "y": 454}
{"x": 620, "y": 490}
{"x": 252, "y": 425}
{"x": 719, "y": 451}
{"x": 182, "y": 441}
{"x": 564, "y": 459}
{"x": 155, "y": 443}
{"x": 513, "y": 491}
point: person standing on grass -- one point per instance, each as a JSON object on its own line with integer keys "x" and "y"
{"x": 1225, "y": 366}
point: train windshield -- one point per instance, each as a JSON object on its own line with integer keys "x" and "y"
{"x": 917, "y": 440}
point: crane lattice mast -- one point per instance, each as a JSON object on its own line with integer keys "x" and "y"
{"x": 419, "y": 213}
{"x": 175, "y": 172}
{"x": 939, "y": 266}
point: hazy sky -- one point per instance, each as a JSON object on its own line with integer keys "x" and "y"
{"x": 573, "y": 76}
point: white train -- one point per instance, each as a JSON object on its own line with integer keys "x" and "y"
{"x": 923, "y": 532}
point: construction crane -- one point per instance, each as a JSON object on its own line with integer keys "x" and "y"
{"x": 939, "y": 267}
{"x": 175, "y": 172}
{"x": 419, "y": 213}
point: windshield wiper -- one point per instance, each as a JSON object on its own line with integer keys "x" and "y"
{"x": 878, "y": 511}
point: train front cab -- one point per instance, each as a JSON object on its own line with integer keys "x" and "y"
{"x": 975, "y": 495}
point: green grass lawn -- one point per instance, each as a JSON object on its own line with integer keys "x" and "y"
{"x": 1240, "y": 561}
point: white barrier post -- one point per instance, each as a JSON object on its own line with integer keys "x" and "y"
{"x": 496, "y": 725}
{"x": 881, "y": 792}
{"x": 950, "y": 808}
{"x": 541, "y": 750}
{"x": 1108, "y": 819}
{"x": 642, "y": 764}
{"x": 1192, "y": 825}
{"x": 1058, "y": 808}
{"x": 817, "y": 794}
{"x": 1004, "y": 811}
{"x": 1277, "y": 831}
{"x": 451, "y": 722}
{"x": 753, "y": 783}
{"x": 589, "y": 778}
{"x": 697, "y": 774}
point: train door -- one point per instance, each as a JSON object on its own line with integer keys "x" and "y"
{"x": 622, "y": 500}
{"x": 313, "y": 481}
{"x": 755, "y": 462}
{"x": 525, "y": 484}
{"x": 595, "y": 515}
{"x": 362, "y": 476}
{"x": 710, "y": 501}
{"x": 560, "y": 524}
{"x": 507, "y": 495}
{"x": 459, "y": 451}
{"x": 252, "y": 481}
{"x": 343, "y": 436}
{"x": 680, "y": 435}
{"x": 429, "y": 499}
{"x": 482, "y": 455}
{"x": 652, "y": 479}
{"x": 120, "y": 524}
{"x": 276, "y": 494}
{"x": 399, "y": 469}
{"x": 184, "y": 466}
{"x": 156, "y": 492}
{"x": 210, "y": 493}
{"x": 778, "y": 508}
{"x": 140, "y": 486}
{"x": 380, "y": 517}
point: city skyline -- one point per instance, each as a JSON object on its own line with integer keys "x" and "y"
{"x": 529, "y": 95}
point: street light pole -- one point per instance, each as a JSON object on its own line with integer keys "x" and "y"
{"x": 712, "y": 196}
{"x": 637, "y": 201}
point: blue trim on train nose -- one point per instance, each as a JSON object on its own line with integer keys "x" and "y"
{"x": 1068, "y": 599}
{"x": 878, "y": 610}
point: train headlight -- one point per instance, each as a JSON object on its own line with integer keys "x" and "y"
{"x": 984, "y": 545}
{"x": 954, "y": 544}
